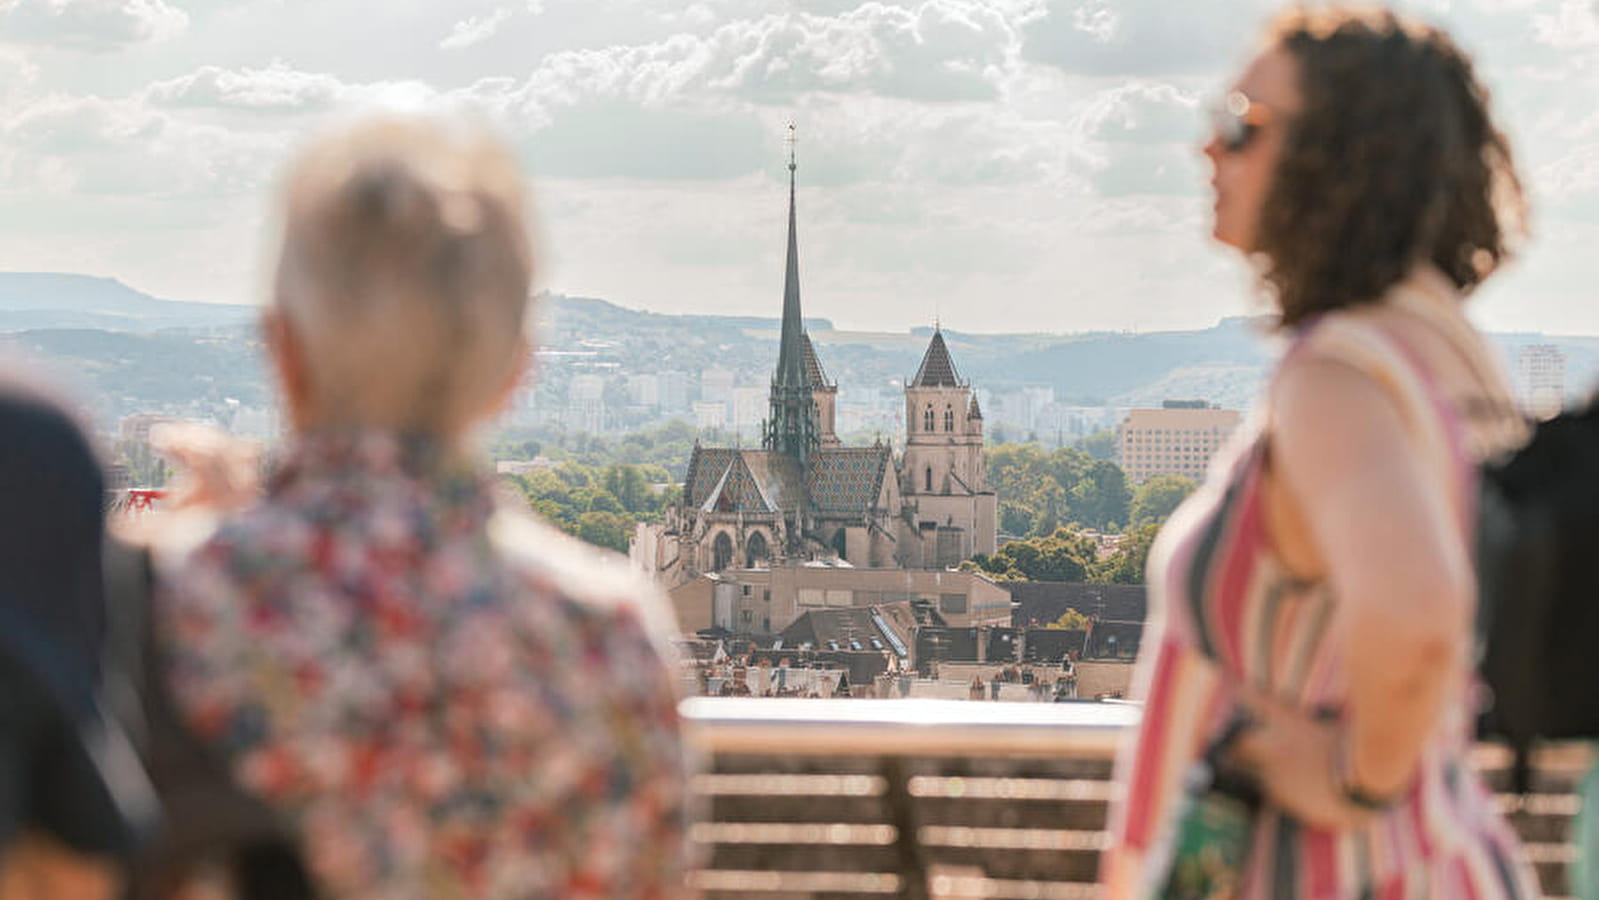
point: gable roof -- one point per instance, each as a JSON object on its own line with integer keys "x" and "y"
{"x": 937, "y": 369}
{"x": 733, "y": 479}
{"x": 815, "y": 375}
{"x": 847, "y": 479}
{"x": 892, "y": 625}
{"x": 738, "y": 490}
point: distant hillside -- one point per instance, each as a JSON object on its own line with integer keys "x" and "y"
{"x": 130, "y": 351}
{"x": 189, "y": 373}
{"x": 32, "y": 300}
{"x": 562, "y": 316}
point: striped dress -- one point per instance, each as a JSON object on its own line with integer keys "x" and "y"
{"x": 1228, "y": 612}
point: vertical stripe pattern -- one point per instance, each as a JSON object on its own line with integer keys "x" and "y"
{"x": 1226, "y": 611}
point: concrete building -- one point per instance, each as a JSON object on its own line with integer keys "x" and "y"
{"x": 1178, "y": 439}
{"x": 585, "y": 403}
{"x": 765, "y": 601}
{"x": 749, "y": 409}
{"x": 136, "y": 427}
{"x": 674, "y": 395}
{"x": 644, "y": 390}
{"x": 716, "y": 386}
{"x": 710, "y": 416}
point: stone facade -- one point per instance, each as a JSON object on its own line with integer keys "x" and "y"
{"x": 803, "y": 497}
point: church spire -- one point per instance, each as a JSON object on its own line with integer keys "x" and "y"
{"x": 791, "y": 352}
{"x": 792, "y": 428}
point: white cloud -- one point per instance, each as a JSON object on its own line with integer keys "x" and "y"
{"x": 1574, "y": 24}
{"x": 1022, "y": 163}
{"x": 277, "y": 87}
{"x": 475, "y": 29}
{"x": 1141, "y": 38}
{"x": 91, "y": 25}
{"x": 18, "y": 74}
{"x": 90, "y": 146}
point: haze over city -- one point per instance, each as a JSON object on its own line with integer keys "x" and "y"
{"x": 1004, "y": 166}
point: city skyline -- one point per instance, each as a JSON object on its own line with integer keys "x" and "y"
{"x": 1000, "y": 166}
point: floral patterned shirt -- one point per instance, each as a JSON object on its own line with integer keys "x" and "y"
{"x": 450, "y": 699}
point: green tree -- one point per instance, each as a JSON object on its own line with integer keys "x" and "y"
{"x": 1100, "y": 496}
{"x": 627, "y": 485}
{"x": 605, "y": 529}
{"x": 1071, "y": 619}
{"x": 1127, "y": 564}
{"x": 601, "y": 506}
{"x": 1156, "y": 499}
{"x": 1062, "y": 556}
{"x": 598, "y": 499}
{"x": 1099, "y": 445}
{"x": 1015, "y": 518}
{"x": 1040, "y": 491}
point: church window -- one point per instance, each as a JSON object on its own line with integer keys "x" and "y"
{"x": 949, "y": 419}
{"x": 756, "y": 551}
{"x": 927, "y": 418}
{"x": 929, "y": 478}
{"x": 721, "y": 552}
{"x": 841, "y": 543}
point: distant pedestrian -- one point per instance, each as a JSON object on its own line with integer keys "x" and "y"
{"x": 1314, "y": 642}
{"x": 449, "y": 699}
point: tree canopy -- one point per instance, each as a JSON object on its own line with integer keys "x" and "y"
{"x": 599, "y": 505}
{"x": 1158, "y": 497}
{"x": 1040, "y": 491}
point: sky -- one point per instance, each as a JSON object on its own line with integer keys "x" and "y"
{"x": 998, "y": 165}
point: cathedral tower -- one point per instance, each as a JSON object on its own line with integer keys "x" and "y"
{"x": 944, "y": 469}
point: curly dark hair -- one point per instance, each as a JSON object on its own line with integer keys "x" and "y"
{"x": 1394, "y": 160}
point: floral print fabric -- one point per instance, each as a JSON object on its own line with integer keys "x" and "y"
{"x": 449, "y": 699}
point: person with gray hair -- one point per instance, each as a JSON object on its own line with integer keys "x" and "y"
{"x": 448, "y": 698}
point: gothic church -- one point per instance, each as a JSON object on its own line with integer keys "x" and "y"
{"x": 804, "y": 498}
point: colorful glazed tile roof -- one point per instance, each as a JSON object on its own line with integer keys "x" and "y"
{"x": 728, "y": 479}
{"x": 840, "y": 479}
{"x": 847, "y": 479}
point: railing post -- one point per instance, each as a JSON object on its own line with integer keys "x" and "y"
{"x": 912, "y": 860}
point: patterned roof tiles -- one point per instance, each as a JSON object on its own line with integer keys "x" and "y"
{"x": 847, "y": 479}
{"x": 727, "y": 479}
{"x": 815, "y": 375}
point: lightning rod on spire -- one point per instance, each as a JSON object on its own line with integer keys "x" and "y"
{"x": 791, "y": 146}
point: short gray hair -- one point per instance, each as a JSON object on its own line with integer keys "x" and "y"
{"x": 405, "y": 269}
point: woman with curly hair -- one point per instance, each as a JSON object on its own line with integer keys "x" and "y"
{"x": 1315, "y": 598}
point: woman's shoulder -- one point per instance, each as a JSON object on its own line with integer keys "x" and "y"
{"x": 1419, "y": 347}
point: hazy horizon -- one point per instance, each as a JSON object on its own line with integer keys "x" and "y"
{"x": 1014, "y": 166}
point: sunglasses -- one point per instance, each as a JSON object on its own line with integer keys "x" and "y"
{"x": 1236, "y": 120}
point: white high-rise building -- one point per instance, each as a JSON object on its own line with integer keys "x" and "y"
{"x": 716, "y": 386}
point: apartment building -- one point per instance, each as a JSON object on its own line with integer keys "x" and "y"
{"x": 1177, "y": 439}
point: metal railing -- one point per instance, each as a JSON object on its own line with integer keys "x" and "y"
{"x": 809, "y": 799}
